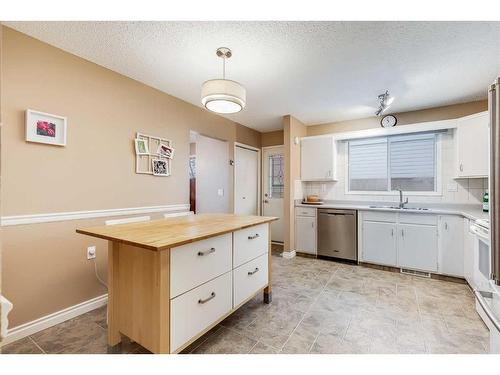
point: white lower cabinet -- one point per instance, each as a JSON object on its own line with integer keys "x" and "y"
{"x": 379, "y": 241}
{"x": 305, "y": 234}
{"x": 192, "y": 312}
{"x": 249, "y": 278}
{"x": 418, "y": 247}
{"x": 451, "y": 245}
{"x": 469, "y": 238}
{"x": 405, "y": 240}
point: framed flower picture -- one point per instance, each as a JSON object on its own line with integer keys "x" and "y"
{"x": 165, "y": 151}
{"x": 45, "y": 128}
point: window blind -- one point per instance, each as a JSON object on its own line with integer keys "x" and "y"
{"x": 368, "y": 164}
{"x": 413, "y": 162}
{"x": 406, "y": 162}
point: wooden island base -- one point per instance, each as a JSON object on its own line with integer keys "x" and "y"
{"x": 165, "y": 299}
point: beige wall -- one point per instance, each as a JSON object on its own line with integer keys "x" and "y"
{"x": 291, "y": 128}
{"x": 248, "y": 136}
{"x": 44, "y": 265}
{"x": 404, "y": 118}
{"x": 272, "y": 138}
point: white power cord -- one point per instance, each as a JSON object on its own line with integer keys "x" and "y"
{"x": 97, "y": 274}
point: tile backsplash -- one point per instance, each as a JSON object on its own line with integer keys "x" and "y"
{"x": 460, "y": 191}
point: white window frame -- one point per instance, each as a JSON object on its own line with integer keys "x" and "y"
{"x": 438, "y": 175}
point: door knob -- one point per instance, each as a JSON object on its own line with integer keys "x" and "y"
{"x": 266, "y": 201}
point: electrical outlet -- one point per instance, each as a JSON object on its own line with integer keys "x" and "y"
{"x": 91, "y": 252}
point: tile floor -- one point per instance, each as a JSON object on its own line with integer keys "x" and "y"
{"x": 318, "y": 307}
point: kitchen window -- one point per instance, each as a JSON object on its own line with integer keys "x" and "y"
{"x": 385, "y": 164}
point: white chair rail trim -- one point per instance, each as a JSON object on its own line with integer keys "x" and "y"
{"x": 79, "y": 215}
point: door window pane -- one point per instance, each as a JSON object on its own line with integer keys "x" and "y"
{"x": 276, "y": 176}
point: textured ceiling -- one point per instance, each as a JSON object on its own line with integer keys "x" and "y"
{"x": 317, "y": 71}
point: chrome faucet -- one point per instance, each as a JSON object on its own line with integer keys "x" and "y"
{"x": 401, "y": 202}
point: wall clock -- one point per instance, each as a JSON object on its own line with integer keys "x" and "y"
{"x": 388, "y": 121}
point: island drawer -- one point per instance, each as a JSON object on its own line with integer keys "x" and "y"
{"x": 192, "y": 312}
{"x": 198, "y": 262}
{"x": 249, "y": 278}
{"x": 249, "y": 243}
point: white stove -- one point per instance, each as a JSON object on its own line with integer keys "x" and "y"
{"x": 486, "y": 292}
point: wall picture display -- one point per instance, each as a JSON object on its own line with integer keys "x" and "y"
{"x": 45, "y": 128}
{"x": 166, "y": 151}
{"x": 152, "y": 151}
{"x": 160, "y": 167}
{"x": 141, "y": 146}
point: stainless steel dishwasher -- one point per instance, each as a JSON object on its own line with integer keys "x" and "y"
{"x": 337, "y": 233}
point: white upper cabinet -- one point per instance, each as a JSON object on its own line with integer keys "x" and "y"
{"x": 317, "y": 162}
{"x": 451, "y": 245}
{"x": 472, "y": 141}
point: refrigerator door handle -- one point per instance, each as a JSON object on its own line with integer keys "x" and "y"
{"x": 494, "y": 178}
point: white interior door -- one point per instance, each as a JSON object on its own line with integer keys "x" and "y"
{"x": 246, "y": 181}
{"x": 273, "y": 188}
{"x": 212, "y": 175}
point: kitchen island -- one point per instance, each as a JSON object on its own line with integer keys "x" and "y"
{"x": 172, "y": 280}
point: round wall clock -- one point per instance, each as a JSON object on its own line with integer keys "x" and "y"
{"x": 388, "y": 121}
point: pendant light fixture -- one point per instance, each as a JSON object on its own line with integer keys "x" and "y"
{"x": 223, "y": 95}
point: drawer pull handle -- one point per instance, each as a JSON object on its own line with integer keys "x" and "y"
{"x": 250, "y": 273}
{"x": 256, "y": 235}
{"x": 202, "y": 301}
{"x": 206, "y": 252}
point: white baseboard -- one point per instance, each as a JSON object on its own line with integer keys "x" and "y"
{"x": 30, "y": 328}
{"x": 288, "y": 254}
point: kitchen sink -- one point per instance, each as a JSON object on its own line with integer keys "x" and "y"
{"x": 404, "y": 208}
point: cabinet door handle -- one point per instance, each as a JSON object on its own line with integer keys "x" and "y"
{"x": 202, "y": 301}
{"x": 461, "y": 167}
{"x": 256, "y": 235}
{"x": 402, "y": 233}
{"x": 206, "y": 252}
{"x": 392, "y": 232}
{"x": 312, "y": 225}
{"x": 446, "y": 226}
{"x": 250, "y": 273}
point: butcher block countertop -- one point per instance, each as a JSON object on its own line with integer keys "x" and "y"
{"x": 167, "y": 233}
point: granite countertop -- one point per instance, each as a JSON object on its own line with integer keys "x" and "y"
{"x": 470, "y": 211}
